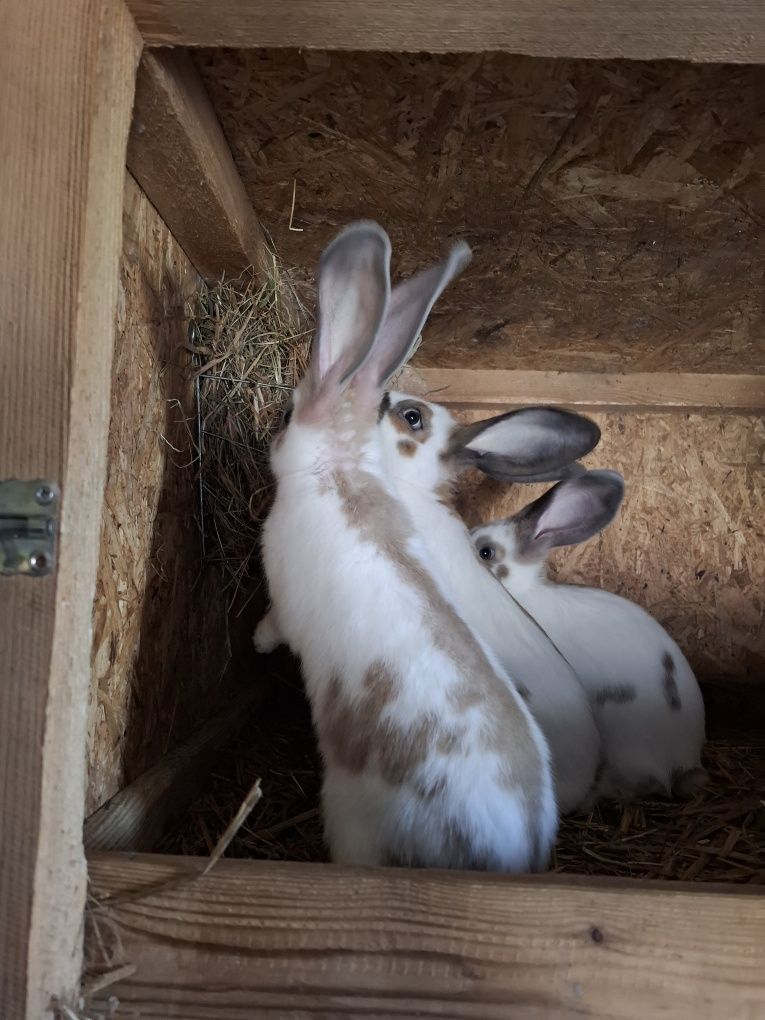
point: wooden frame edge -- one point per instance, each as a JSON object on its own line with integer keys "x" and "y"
{"x": 496, "y": 389}
{"x": 178, "y": 154}
{"x": 68, "y": 74}
{"x": 256, "y": 939}
{"x": 694, "y": 30}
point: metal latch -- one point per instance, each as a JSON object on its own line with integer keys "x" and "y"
{"x": 28, "y": 518}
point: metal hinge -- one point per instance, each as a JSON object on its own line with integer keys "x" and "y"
{"x": 28, "y": 526}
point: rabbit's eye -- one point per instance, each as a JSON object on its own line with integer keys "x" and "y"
{"x": 413, "y": 418}
{"x": 486, "y": 552}
{"x": 286, "y": 416}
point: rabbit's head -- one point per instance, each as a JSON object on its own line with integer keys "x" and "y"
{"x": 365, "y": 331}
{"x": 515, "y": 549}
{"x": 425, "y": 445}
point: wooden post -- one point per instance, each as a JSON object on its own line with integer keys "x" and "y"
{"x": 68, "y": 73}
{"x": 178, "y": 154}
{"x": 135, "y": 818}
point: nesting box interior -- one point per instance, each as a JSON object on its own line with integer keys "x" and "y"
{"x": 616, "y": 212}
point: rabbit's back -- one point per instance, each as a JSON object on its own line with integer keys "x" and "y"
{"x": 411, "y": 715}
{"x": 647, "y": 702}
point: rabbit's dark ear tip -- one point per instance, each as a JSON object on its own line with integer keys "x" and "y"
{"x": 362, "y": 227}
{"x": 594, "y": 429}
{"x": 608, "y": 477}
{"x": 360, "y": 231}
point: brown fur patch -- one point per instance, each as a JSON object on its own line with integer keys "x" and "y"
{"x": 381, "y": 520}
{"x": 450, "y": 739}
{"x": 619, "y": 694}
{"x": 396, "y": 416}
{"x": 354, "y": 732}
{"x": 401, "y": 749}
{"x": 466, "y": 695}
{"x": 446, "y": 496}
{"x": 503, "y": 571}
{"x": 407, "y": 447}
{"x": 429, "y": 791}
{"x": 381, "y": 685}
{"x": 350, "y": 730}
{"x": 669, "y": 683}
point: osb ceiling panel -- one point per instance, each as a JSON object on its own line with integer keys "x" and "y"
{"x": 616, "y": 210}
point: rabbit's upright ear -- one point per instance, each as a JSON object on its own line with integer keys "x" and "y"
{"x": 535, "y": 444}
{"x": 353, "y": 289}
{"x": 409, "y": 307}
{"x": 569, "y": 513}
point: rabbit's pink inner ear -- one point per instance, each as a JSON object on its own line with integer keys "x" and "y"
{"x": 409, "y": 307}
{"x": 541, "y": 436}
{"x": 573, "y": 511}
{"x": 353, "y": 289}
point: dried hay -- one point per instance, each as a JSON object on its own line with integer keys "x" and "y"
{"x": 251, "y": 344}
{"x": 278, "y": 745}
{"x": 719, "y": 836}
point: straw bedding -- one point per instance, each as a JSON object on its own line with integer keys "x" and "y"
{"x": 251, "y": 346}
{"x": 719, "y": 836}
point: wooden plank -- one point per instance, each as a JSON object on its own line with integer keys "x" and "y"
{"x": 67, "y": 84}
{"x": 265, "y": 939}
{"x": 699, "y": 30}
{"x": 493, "y": 389}
{"x": 179, "y": 156}
{"x": 135, "y": 818}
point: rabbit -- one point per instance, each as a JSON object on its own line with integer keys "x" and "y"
{"x": 647, "y": 703}
{"x": 431, "y": 758}
{"x": 425, "y": 450}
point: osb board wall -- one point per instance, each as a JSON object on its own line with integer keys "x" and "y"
{"x": 689, "y": 542}
{"x": 616, "y": 209}
{"x": 159, "y": 643}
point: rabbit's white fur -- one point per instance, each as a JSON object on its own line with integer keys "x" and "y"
{"x": 419, "y": 462}
{"x": 645, "y": 697}
{"x": 431, "y": 758}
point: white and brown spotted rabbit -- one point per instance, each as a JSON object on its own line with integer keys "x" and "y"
{"x": 647, "y": 703}
{"x": 431, "y": 757}
{"x": 426, "y": 448}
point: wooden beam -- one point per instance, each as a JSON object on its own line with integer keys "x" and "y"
{"x": 699, "y": 30}
{"x": 178, "y": 154}
{"x": 495, "y": 389}
{"x": 136, "y": 817}
{"x": 260, "y": 939}
{"x": 67, "y": 85}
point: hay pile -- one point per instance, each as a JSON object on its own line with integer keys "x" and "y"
{"x": 250, "y": 339}
{"x": 719, "y": 836}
